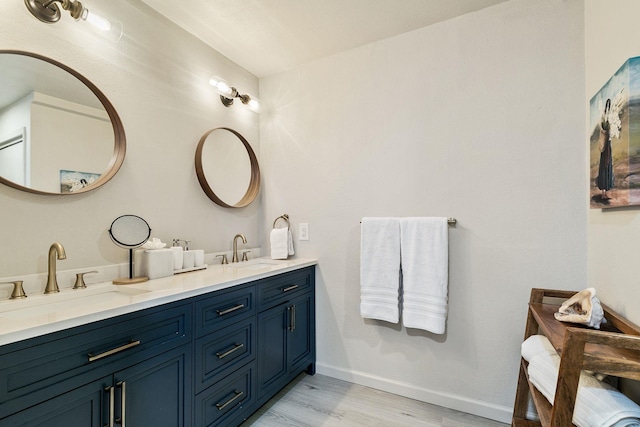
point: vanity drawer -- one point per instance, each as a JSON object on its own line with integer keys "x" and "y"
{"x": 221, "y": 403}
{"x": 278, "y": 289}
{"x": 223, "y": 309}
{"x": 219, "y": 353}
{"x": 36, "y": 369}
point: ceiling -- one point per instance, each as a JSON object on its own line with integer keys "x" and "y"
{"x": 270, "y": 36}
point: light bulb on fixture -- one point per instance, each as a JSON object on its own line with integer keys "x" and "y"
{"x": 112, "y": 29}
{"x": 222, "y": 87}
{"x": 253, "y": 103}
{"x": 228, "y": 93}
{"x": 48, "y": 11}
{"x": 95, "y": 20}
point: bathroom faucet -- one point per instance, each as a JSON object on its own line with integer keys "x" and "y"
{"x": 56, "y": 250}
{"x": 235, "y": 246}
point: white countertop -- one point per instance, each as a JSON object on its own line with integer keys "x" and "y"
{"x": 43, "y": 314}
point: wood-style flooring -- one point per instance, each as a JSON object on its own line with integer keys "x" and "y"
{"x": 321, "y": 401}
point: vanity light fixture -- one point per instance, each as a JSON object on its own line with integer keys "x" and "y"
{"x": 228, "y": 93}
{"x": 48, "y": 11}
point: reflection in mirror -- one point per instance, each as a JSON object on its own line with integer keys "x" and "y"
{"x": 58, "y": 133}
{"x": 227, "y": 168}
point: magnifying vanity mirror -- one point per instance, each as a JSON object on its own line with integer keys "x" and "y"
{"x": 130, "y": 232}
{"x": 227, "y": 168}
{"x": 59, "y": 134}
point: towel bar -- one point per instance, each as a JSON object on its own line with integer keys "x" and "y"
{"x": 283, "y": 216}
{"x": 450, "y": 221}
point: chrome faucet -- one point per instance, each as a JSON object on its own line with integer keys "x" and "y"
{"x": 56, "y": 250}
{"x": 235, "y": 246}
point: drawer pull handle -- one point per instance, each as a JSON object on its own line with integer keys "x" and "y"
{"x": 237, "y": 395}
{"x": 112, "y": 397}
{"x": 228, "y": 352}
{"x": 290, "y": 288}
{"x": 230, "y": 310}
{"x": 93, "y": 358}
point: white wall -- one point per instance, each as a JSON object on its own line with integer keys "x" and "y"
{"x": 156, "y": 77}
{"x": 480, "y": 118}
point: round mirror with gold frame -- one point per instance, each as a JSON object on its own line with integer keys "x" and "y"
{"x": 59, "y": 134}
{"x": 227, "y": 168}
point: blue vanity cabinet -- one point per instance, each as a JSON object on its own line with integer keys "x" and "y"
{"x": 286, "y": 330}
{"x": 130, "y": 363}
{"x": 209, "y": 360}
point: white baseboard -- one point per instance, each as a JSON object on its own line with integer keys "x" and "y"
{"x": 459, "y": 403}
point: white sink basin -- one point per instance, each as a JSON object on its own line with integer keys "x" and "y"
{"x": 55, "y": 306}
{"x": 258, "y": 264}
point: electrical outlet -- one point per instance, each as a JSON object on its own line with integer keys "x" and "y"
{"x": 303, "y": 231}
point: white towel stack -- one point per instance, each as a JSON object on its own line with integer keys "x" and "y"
{"x": 597, "y": 403}
{"x": 380, "y": 269}
{"x": 425, "y": 273}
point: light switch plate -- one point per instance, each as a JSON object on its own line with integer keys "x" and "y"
{"x": 303, "y": 231}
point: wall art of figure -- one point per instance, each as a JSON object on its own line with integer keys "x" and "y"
{"x": 614, "y": 141}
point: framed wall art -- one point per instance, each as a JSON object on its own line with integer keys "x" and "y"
{"x": 615, "y": 139}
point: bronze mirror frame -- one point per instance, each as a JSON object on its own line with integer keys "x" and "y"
{"x": 119, "y": 148}
{"x": 254, "y": 183}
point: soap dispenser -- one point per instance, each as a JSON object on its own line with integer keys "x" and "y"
{"x": 177, "y": 251}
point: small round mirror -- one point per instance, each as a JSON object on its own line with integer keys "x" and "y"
{"x": 227, "y": 168}
{"x": 129, "y": 232}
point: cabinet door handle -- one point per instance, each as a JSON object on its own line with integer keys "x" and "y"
{"x": 292, "y": 321}
{"x": 123, "y": 401}
{"x": 236, "y": 396}
{"x": 290, "y": 288}
{"x": 230, "y": 310}
{"x": 228, "y": 352}
{"x": 112, "y": 396}
{"x": 95, "y": 357}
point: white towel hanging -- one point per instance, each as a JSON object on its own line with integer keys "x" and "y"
{"x": 281, "y": 240}
{"x": 425, "y": 268}
{"x": 380, "y": 269}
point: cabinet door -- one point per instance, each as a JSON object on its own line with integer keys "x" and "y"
{"x": 272, "y": 347}
{"x": 285, "y": 342}
{"x": 155, "y": 393}
{"x": 86, "y": 406}
{"x": 301, "y": 333}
